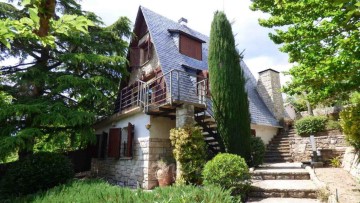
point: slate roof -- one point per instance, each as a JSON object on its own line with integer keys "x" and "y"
{"x": 170, "y": 58}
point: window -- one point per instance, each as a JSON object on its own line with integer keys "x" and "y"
{"x": 99, "y": 149}
{"x": 114, "y": 142}
{"x": 253, "y": 132}
{"x": 190, "y": 47}
{"x": 145, "y": 53}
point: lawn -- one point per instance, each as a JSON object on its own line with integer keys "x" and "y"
{"x": 100, "y": 191}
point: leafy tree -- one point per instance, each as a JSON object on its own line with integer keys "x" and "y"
{"x": 58, "y": 87}
{"x": 231, "y": 107}
{"x": 322, "y": 39}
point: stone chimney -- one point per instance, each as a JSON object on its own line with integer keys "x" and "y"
{"x": 269, "y": 89}
{"x": 183, "y": 21}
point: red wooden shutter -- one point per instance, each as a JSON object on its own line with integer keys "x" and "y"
{"x": 253, "y": 132}
{"x": 134, "y": 56}
{"x": 190, "y": 47}
{"x": 114, "y": 142}
{"x": 130, "y": 139}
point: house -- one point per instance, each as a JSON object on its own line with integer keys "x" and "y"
{"x": 167, "y": 88}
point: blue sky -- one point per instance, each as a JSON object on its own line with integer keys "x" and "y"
{"x": 260, "y": 52}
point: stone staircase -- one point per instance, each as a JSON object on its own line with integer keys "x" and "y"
{"x": 282, "y": 182}
{"x": 278, "y": 149}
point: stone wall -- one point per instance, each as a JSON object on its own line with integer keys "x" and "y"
{"x": 331, "y": 144}
{"x": 138, "y": 171}
{"x": 158, "y": 148}
{"x": 351, "y": 162}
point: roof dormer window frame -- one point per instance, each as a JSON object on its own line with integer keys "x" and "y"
{"x": 194, "y": 52}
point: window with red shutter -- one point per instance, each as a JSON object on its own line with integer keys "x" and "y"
{"x": 103, "y": 145}
{"x": 204, "y": 74}
{"x": 190, "y": 47}
{"x": 114, "y": 142}
{"x": 95, "y": 148}
{"x": 253, "y": 132}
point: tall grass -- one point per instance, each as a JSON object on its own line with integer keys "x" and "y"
{"x": 87, "y": 191}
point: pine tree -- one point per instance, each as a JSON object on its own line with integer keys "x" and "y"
{"x": 59, "y": 89}
{"x": 227, "y": 83}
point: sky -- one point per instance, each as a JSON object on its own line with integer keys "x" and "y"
{"x": 260, "y": 52}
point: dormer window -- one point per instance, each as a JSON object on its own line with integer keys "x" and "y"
{"x": 189, "y": 45}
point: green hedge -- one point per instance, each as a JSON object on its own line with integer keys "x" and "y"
{"x": 36, "y": 172}
{"x": 84, "y": 191}
{"x": 228, "y": 171}
{"x": 310, "y": 125}
{"x": 257, "y": 151}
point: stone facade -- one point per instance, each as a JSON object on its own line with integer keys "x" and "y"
{"x": 138, "y": 171}
{"x": 330, "y": 144}
{"x": 269, "y": 89}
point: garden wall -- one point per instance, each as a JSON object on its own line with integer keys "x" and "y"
{"x": 351, "y": 162}
{"x": 331, "y": 144}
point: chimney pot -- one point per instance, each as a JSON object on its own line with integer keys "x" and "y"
{"x": 183, "y": 21}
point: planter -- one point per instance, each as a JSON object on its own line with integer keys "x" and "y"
{"x": 165, "y": 176}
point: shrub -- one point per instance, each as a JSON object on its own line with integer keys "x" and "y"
{"x": 349, "y": 121}
{"x": 335, "y": 162}
{"x": 228, "y": 171}
{"x": 310, "y": 125}
{"x": 190, "y": 151}
{"x": 101, "y": 191}
{"x": 257, "y": 151}
{"x": 333, "y": 125}
{"x": 36, "y": 172}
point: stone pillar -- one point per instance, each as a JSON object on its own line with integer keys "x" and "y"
{"x": 184, "y": 117}
{"x": 269, "y": 89}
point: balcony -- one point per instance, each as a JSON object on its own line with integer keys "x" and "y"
{"x": 161, "y": 95}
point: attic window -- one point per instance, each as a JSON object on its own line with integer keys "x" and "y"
{"x": 190, "y": 47}
{"x": 145, "y": 49}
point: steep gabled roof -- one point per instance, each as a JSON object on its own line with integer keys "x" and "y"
{"x": 170, "y": 58}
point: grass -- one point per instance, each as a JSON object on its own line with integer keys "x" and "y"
{"x": 100, "y": 191}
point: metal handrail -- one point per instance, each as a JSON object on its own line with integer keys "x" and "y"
{"x": 157, "y": 92}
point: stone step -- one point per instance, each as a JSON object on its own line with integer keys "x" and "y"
{"x": 280, "y": 148}
{"x": 277, "y": 150}
{"x": 278, "y": 160}
{"x": 282, "y": 200}
{"x": 283, "y": 189}
{"x": 280, "y": 145}
{"x": 277, "y": 154}
{"x": 279, "y": 142}
{"x": 281, "y": 139}
{"x": 280, "y": 174}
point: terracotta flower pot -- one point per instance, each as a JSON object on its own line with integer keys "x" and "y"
{"x": 165, "y": 176}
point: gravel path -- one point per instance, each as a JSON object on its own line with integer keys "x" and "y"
{"x": 337, "y": 178}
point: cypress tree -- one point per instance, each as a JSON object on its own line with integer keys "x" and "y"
{"x": 227, "y": 83}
